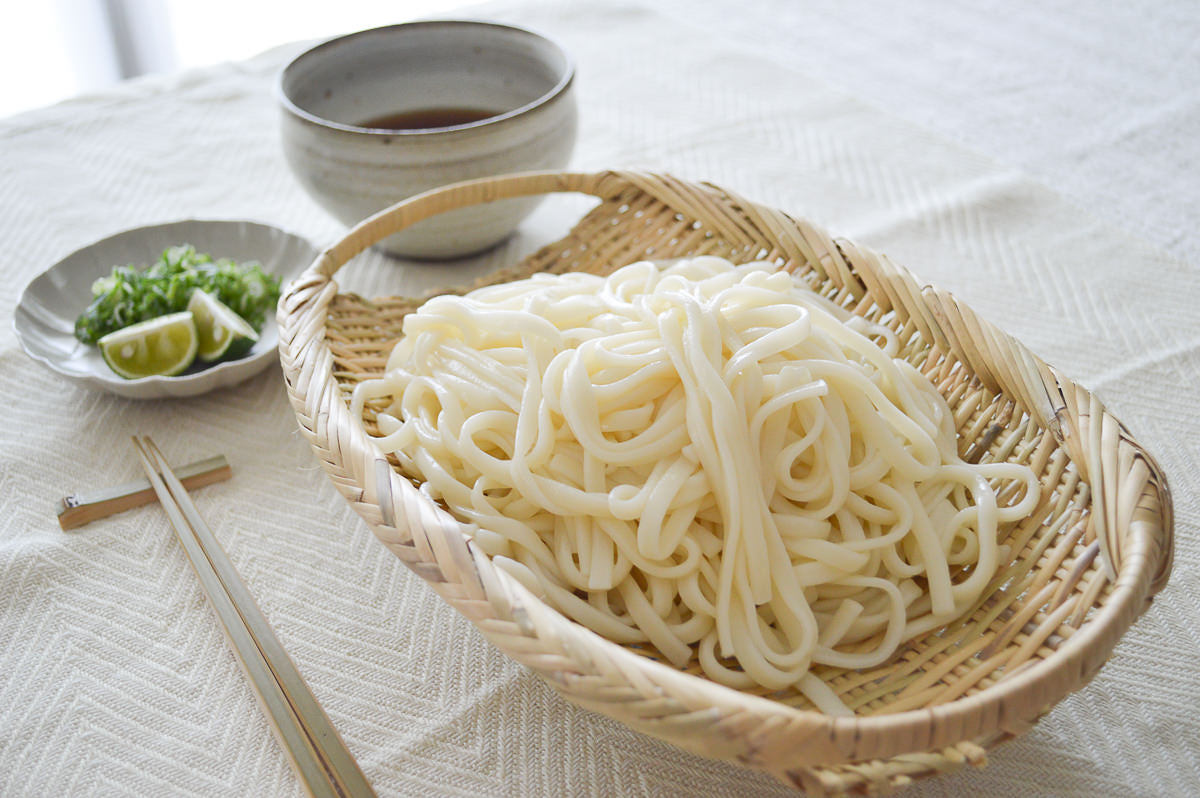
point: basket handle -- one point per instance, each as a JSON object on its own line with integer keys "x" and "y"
{"x": 408, "y": 212}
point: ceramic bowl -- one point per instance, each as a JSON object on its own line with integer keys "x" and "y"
{"x": 332, "y": 94}
{"x": 44, "y": 320}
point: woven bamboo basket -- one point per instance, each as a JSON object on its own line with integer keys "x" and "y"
{"x": 1081, "y": 568}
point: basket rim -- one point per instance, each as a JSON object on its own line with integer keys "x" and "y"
{"x": 996, "y": 708}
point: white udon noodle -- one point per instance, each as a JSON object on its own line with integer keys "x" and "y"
{"x": 707, "y": 458}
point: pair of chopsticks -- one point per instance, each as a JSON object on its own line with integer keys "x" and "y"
{"x": 320, "y": 758}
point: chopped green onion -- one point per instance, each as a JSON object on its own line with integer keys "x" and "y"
{"x": 130, "y": 295}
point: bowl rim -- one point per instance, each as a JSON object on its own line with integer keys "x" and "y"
{"x": 564, "y": 83}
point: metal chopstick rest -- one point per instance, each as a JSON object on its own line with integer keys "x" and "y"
{"x": 79, "y": 509}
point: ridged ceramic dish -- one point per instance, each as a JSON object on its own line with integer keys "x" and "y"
{"x": 45, "y": 315}
{"x": 1081, "y": 567}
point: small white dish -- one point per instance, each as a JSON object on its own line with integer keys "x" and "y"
{"x": 44, "y": 320}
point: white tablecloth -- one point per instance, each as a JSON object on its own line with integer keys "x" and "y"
{"x": 114, "y": 677}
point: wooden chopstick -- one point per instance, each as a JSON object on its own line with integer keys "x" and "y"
{"x": 320, "y": 758}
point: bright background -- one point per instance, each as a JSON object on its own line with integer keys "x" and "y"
{"x": 53, "y": 49}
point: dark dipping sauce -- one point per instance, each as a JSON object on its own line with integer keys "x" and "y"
{"x": 425, "y": 118}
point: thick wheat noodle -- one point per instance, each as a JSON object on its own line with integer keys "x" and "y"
{"x": 707, "y": 458}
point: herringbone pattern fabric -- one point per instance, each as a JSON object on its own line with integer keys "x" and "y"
{"x": 114, "y": 680}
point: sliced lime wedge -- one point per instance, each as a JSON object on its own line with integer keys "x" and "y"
{"x": 164, "y": 346}
{"x": 221, "y": 332}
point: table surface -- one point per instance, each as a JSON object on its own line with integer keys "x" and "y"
{"x": 1039, "y": 162}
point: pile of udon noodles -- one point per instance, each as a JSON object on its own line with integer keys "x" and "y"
{"x": 707, "y": 458}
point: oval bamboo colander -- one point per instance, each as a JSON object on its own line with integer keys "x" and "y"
{"x": 1080, "y": 569}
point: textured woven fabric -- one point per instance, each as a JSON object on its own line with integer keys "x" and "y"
{"x": 114, "y": 677}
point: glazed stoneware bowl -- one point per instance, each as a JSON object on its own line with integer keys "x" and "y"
{"x": 334, "y": 95}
